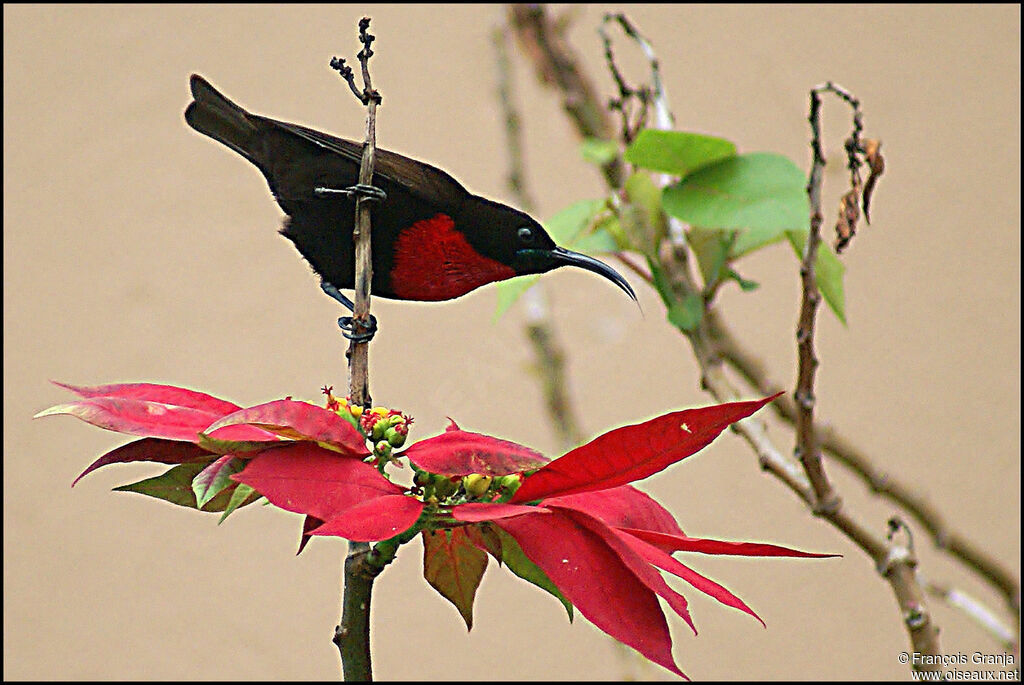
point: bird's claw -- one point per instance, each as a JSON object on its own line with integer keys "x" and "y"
{"x": 347, "y": 324}
{"x": 363, "y": 191}
{"x": 370, "y": 193}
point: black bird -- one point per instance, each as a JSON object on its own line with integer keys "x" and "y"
{"x": 431, "y": 239}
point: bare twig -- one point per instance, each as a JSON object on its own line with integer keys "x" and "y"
{"x": 352, "y": 635}
{"x": 645, "y": 95}
{"x": 513, "y": 125}
{"x": 359, "y": 351}
{"x": 664, "y": 120}
{"x": 544, "y": 44}
{"x": 632, "y": 122}
{"x": 859, "y": 193}
{"x": 977, "y": 612}
{"x": 628, "y": 262}
{"x": 807, "y": 450}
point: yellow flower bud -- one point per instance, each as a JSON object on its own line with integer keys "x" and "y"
{"x": 476, "y": 484}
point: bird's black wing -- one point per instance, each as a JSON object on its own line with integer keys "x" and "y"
{"x": 422, "y": 179}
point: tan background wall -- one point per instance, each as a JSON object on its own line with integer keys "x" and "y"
{"x": 135, "y": 249}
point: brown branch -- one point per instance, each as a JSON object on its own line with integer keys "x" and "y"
{"x": 543, "y": 42}
{"x": 516, "y": 177}
{"x": 892, "y": 561}
{"x": 978, "y": 613}
{"x": 548, "y": 353}
{"x": 352, "y": 635}
{"x": 807, "y": 450}
{"x": 628, "y": 262}
{"x": 884, "y": 484}
{"x": 358, "y": 352}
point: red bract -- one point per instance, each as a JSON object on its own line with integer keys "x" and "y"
{"x": 154, "y": 411}
{"x": 299, "y": 421}
{"x": 591, "y": 539}
{"x": 351, "y": 497}
{"x": 207, "y": 434}
{"x": 609, "y": 571}
{"x": 458, "y": 453}
{"x": 602, "y": 542}
{"x": 631, "y": 453}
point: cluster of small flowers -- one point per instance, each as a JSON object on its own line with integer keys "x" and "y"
{"x": 381, "y": 423}
{"x": 386, "y": 428}
{"x": 448, "y": 490}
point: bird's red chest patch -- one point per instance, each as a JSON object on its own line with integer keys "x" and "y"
{"x": 433, "y": 261}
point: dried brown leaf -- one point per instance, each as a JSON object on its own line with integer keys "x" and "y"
{"x": 873, "y": 153}
{"x": 849, "y": 214}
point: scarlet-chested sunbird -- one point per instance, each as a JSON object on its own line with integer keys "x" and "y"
{"x": 431, "y": 238}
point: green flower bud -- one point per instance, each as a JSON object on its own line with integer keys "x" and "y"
{"x": 444, "y": 487}
{"x": 394, "y": 437}
{"x": 378, "y": 429}
{"x": 510, "y": 483}
{"x": 382, "y": 449}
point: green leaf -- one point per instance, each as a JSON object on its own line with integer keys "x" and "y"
{"x": 661, "y": 282}
{"x": 649, "y": 228}
{"x": 760, "y": 194}
{"x": 598, "y": 236}
{"x": 242, "y": 495}
{"x": 751, "y": 239}
{"x": 712, "y": 250}
{"x": 598, "y": 151}
{"x": 745, "y": 285}
{"x": 686, "y": 315}
{"x": 511, "y": 290}
{"x": 518, "y": 563}
{"x": 566, "y": 226}
{"x": 828, "y": 271}
{"x": 215, "y": 478}
{"x": 175, "y": 486}
{"x": 677, "y": 152}
{"x": 603, "y": 234}
{"x": 454, "y": 566}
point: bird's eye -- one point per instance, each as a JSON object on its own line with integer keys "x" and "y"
{"x": 526, "y": 235}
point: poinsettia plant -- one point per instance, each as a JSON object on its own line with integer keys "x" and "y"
{"x": 573, "y": 526}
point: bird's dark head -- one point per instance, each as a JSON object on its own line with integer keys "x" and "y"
{"x": 515, "y": 239}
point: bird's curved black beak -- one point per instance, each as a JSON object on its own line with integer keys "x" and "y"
{"x": 566, "y": 257}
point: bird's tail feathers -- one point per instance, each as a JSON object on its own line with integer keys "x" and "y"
{"x": 214, "y": 115}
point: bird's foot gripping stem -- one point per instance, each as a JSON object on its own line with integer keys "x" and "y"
{"x": 347, "y": 324}
{"x": 368, "y": 193}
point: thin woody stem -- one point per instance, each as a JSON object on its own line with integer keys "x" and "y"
{"x": 807, "y": 449}
{"x": 352, "y": 635}
{"x": 359, "y": 383}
